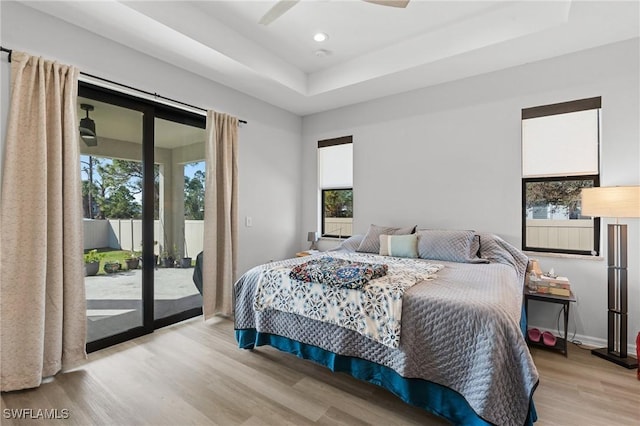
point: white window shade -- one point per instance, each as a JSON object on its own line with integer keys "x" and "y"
{"x": 561, "y": 144}
{"x": 335, "y": 164}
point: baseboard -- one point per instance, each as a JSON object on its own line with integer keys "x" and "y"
{"x": 593, "y": 342}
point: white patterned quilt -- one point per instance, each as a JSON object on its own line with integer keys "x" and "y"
{"x": 461, "y": 330}
{"x": 375, "y": 311}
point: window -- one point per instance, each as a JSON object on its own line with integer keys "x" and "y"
{"x": 335, "y": 172}
{"x": 560, "y": 156}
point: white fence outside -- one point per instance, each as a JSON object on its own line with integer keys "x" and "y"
{"x": 341, "y": 226}
{"x": 574, "y": 234}
{"x": 126, "y": 234}
{"x": 96, "y": 233}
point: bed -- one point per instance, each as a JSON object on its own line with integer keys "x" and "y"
{"x": 461, "y": 352}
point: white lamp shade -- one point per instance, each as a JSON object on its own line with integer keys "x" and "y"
{"x": 611, "y": 201}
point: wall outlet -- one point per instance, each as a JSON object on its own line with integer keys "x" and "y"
{"x": 248, "y": 221}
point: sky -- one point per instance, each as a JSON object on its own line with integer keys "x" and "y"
{"x": 191, "y": 168}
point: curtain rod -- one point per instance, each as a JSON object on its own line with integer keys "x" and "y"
{"x": 9, "y": 51}
{"x": 149, "y": 93}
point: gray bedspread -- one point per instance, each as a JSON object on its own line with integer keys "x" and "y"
{"x": 460, "y": 330}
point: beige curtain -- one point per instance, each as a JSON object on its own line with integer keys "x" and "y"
{"x": 42, "y": 298}
{"x": 220, "y": 214}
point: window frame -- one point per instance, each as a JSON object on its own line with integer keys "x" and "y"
{"x": 596, "y": 220}
{"x": 343, "y": 140}
{"x": 322, "y": 192}
{"x": 556, "y": 109}
{"x": 151, "y": 110}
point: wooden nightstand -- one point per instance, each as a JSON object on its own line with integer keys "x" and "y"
{"x": 561, "y": 342}
{"x": 307, "y": 253}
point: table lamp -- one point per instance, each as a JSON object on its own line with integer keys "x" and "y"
{"x": 313, "y": 238}
{"x": 617, "y": 201}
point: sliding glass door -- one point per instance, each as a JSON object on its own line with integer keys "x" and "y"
{"x": 111, "y": 147}
{"x": 141, "y": 166}
{"x": 179, "y": 227}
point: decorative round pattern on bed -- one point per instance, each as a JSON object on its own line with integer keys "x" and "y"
{"x": 333, "y": 271}
{"x": 360, "y": 293}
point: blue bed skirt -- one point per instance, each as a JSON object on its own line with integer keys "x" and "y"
{"x": 435, "y": 398}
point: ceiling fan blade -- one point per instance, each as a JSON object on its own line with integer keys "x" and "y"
{"x": 277, "y": 10}
{"x": 392, "y": 3}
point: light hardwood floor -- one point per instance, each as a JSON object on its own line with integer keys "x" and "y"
{"x": 193, "y": 373}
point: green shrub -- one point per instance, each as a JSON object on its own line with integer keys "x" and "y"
{"x": 93, "y": 256}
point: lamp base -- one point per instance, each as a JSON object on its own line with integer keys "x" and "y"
{"x": 627, "y": 362}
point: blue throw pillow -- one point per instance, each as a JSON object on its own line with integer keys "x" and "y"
{"x": 399, "y": 245}
{"x": 371, "y": 241}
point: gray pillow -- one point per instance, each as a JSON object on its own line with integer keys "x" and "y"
{"x": 371, "y": 241}
{"x": 475, "y": 246}
{"x": 447, "y": 245}
{"x": 350, "y": 244}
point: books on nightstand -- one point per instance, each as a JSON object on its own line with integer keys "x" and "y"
{"x": 558, "y": 286}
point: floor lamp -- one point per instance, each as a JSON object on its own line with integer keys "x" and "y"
{"x": 617, "y": 201}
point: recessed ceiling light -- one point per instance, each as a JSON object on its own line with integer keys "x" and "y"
{"x": 320, "y": 37}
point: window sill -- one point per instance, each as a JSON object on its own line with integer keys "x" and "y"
{"x": 334, "y": 238}
{"x": 562, "y": 255}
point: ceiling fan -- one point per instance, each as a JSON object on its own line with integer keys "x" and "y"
{"x": 283, "y": 5}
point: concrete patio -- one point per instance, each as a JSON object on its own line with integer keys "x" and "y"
{"x": 114, "y": 301}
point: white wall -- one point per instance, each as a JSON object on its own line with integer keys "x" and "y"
{"x": 449, "y": 157}
{"x": 269, "y": 188}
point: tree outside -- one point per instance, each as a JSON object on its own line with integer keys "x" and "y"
{"x": 112, "y": 188}
{"x": 89, "y": 204}
{"x": 556, "y": 195}
{"x": 338, "y": 202}
{"x": 194, "y": 196}
{"x": 120, "y": 205}
{"x": 337, "y": 207}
